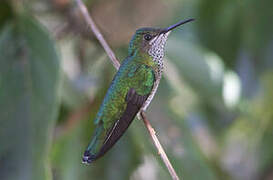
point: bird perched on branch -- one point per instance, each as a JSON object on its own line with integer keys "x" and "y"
{"x": 131, "y": 90}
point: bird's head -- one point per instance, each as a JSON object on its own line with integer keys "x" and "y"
{"x": 152, "y": 40}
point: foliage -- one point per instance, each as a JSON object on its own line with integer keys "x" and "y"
{"x": 213, "y": 111}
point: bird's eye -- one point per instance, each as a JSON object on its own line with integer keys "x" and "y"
{"x": 147, "y": 37}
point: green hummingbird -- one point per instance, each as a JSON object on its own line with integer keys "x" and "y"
{"x": 131, "y": 90}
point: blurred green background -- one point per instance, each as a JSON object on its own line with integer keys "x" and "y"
{"x": 213, "y": 111}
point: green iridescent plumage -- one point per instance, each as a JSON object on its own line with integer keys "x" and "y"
{"x": 130, "y": 75}
{"x": 132, "y": 88}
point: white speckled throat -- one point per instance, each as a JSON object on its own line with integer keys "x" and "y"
{"x": 157, "y": 52}
{"x": 157, "y": 48}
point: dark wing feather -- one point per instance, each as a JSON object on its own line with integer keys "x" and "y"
{"x": 134, "y": 103}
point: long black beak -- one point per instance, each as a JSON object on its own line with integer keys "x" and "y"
{"x": 176, "y": 25}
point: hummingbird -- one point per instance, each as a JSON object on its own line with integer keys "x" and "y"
{"x": 131, "y": 90}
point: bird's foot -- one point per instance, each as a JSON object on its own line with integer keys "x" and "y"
{"x": 87, "y": 158}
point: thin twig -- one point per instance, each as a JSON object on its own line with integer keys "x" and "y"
{"x": 161, "y": 151}
{"x": 116, "y": 64}
{"x": 97, "y": 33}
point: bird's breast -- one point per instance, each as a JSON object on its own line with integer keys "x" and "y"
{"x": 155, "y": 86}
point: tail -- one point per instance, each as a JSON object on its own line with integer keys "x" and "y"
{"x": 89, "y": 154}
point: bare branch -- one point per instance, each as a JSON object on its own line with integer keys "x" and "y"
{"x": 97, "y": 33}
{"x": 160, "y": 149}
{"x": 116, "y": 64}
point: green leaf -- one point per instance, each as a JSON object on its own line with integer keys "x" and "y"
{"x": 6, "y": 12}
{"x": 29, "y": 81}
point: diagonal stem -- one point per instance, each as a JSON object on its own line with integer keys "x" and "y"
{"x": 159, "y": 147}
{"x": 116, "y": 64}
{"x": 97, "y": 33}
